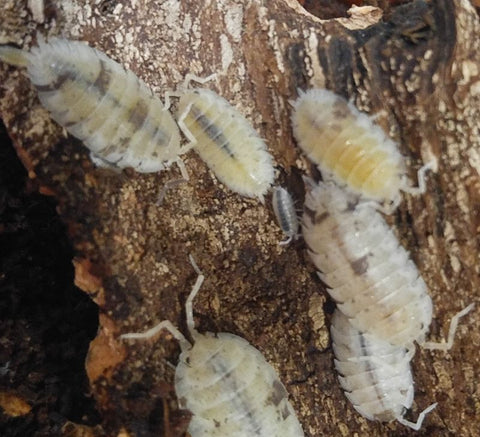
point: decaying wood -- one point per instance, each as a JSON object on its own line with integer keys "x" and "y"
{"x": 418, "y": 68}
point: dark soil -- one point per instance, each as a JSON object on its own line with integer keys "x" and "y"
{"x": 46, "y": 323}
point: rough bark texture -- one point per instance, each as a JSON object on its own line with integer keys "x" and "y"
{"x": 418, "y": 67}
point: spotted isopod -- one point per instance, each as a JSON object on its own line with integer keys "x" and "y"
{"x": 227, "y": 384}
{"x": 286, "y": 214}
{"x": 350, "y": 149}
{"x": 96, "y": 100}
{"x": 366, "y": 270}
{"x": 225, "y": 140}
{"x": 374, "y": 374}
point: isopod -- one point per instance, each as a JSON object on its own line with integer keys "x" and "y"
{"x": 286, "y": 214}
{"x": 104, "y": 105}
{"x": 367, "y": 272}
{"x": 350, "y": 149}
{"x": 226, "y": 383}
{"x": 225, "y": 140}
{"x": 375, "y": 375}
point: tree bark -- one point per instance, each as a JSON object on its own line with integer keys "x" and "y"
{"x": 418, "y": 68}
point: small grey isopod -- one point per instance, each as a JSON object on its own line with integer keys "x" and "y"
{"x": 375, "y": 374}
{"x": 286, "y": 214}
{"x": 98, "y": 101}
{"x": 227, "y": 384}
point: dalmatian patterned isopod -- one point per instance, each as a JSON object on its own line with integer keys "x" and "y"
{"x": 226, "y": 141}
{"x": 107, "y": 107}
{"x": 350, "y": 149}
{"x": 367, "y": 271}
{"x": 227, "y": 384}
{"x": 285, "y": 212}
{"x": 375, "y": 374}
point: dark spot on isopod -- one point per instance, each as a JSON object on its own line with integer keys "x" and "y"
{"x": 360, "y": 265}
{"x": 103, "y": 79}
{"x": 341, "y": 109}
{"x": 139, "y": 114}
{"x": 58, "y": 83}
{"x": 217, "y": 423}
{"x": 310, "y": 213}
{"x": 351, "y": 205}
{"x": 320, "y": 218}
{"x": 212, "y": 131}
{"x": 278, "y": 393}
{"x": 285, "y": 412}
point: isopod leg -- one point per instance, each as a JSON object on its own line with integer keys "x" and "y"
{"x": 184, "y": 128}
{"x": 421, "y": 176}
{"x": 194, "y": 78}
{"x": 166, "y": 324}
{"x": 166, "y": 99}
{"x": 183, "y": 169}
{"x": 421, "y": 417}
{"x": 445, "y": 346}
{"x": 286, "y": 242}
{"x": 193, "y": 293}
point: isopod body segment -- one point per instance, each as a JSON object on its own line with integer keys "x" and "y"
{"x": 226, "y": 141}
{"x": 367, "y": 272}
{"x": 285, "y": 212}
{"x": 375, "y": 375}
{"x": 349, "y": 148}
{"x": 227, "y": 384}
{"x": 96, "y": 100}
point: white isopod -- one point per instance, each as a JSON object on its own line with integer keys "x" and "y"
{"x": 366, "y": 270}
{"x": 227, "y": 384}
{"x": 225, "y": 140}
{"x": 107, "y": 107}
{"x": 350, "y": 149}
{"x": 286, "y": 214}
{"x": 375, "y": 374}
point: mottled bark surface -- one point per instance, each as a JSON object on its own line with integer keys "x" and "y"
{"x": 417, "y": 67}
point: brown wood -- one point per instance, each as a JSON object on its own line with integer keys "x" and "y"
{"x": 417, "y": 67}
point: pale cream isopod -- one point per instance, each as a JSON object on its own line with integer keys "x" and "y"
{"x": 227, "y": 384}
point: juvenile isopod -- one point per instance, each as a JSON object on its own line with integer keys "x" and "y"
{"x": 374, "y": 374}
{"x": 225, "y": 140}
{"x": 285, "y": 212}
{"x": 350, "y": 149}
{"x": 96, "y": 100}
{"x": 370, "y": 275}
{"x": 227, "y": 384}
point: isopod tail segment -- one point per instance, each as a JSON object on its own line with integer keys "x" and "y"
{"x": 168, "y": 326}
{"x": 447, "y": 345}
{"x": 14, "y": 56}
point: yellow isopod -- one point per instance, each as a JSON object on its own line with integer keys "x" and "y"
{"x": 225, "y": 140}
{"x": 350, "y": 149}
